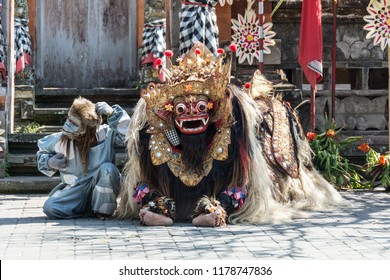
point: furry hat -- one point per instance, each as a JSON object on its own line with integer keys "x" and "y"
{"x": 85, "y": 109}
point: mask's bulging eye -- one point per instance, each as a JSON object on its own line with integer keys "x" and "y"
{"x": 180, "y": 108}
{"x": 201, "y": 106}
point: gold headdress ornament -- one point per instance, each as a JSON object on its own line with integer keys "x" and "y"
{"x": 199, "y": 72}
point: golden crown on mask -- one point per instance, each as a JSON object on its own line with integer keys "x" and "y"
{"x": 199, "y": 72}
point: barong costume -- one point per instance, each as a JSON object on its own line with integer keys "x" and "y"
{"x": 199, "y": 144}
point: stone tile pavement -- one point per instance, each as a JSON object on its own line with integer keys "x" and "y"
{"x": 361, "y": 232}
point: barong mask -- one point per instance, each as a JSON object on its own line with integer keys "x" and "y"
{"x": 81, "y": 116}
{"x": 192, "y": 113}
{"x": 193, "y": 98}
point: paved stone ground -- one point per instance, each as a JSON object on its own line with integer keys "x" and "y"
{"x": 360, "y": 232}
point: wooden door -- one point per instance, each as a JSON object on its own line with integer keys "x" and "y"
{"x": 86, "y": 43}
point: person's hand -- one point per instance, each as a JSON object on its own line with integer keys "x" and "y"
{"x": 58, "y": 161}
{"x": 102, "y": 108}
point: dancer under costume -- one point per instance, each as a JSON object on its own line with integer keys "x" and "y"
{"x": 203, "y": 150}
{"x": 84, "y": 155}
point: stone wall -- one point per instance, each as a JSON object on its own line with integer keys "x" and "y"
{"x": 361, "y": 90}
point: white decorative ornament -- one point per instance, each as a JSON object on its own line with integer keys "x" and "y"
{"x": 378, "y": 22}
{"x": 222, "y": 2}
{"x": 246, "y": 35}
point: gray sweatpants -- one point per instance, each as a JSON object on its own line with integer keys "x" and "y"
{"x": 97, "y": 194}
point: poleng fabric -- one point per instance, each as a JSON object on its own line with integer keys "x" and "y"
{"x": 153, "y": 41}
{"x": 2, "y": 54}
{"x": 198, "y": 23}
{"x": 22, "y": 46}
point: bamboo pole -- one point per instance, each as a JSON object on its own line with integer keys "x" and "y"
{"x": 168, "y": 24}
{"x": 334, "y": 46}
{"x": 312, "y": 109}
{"x": 261, "y": 36}
{"x": 9, "y": 102}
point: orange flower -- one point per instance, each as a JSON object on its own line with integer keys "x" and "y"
{"x": 188, "y": 87}
{"x": 382, "y": 160}
{"x": 364, "y": 148}
{"x": 311, "y": 136}
{"x": 210, "y": 105}
{"x": 330, "y": 133}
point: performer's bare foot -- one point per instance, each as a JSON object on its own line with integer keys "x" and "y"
{"x": 207, "y": 220}
{"x": 149, "y": 218}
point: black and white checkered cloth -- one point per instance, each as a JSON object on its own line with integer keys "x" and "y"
{"x": 153, "y": 39}
{"x": 22, "y": 46}
{"x": 198, "y": 22}
{"x": 22, "y": 38}
{"x": 2, "y": 54}
{"x": 172, "y": 136}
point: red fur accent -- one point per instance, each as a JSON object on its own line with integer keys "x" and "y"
{"x": 218, "y": 123}
{"x": 244, "y": 160}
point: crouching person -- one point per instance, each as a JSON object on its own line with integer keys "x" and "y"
{"x": 83, "y": 153}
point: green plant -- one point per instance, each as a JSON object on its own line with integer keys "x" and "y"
{"x": 377, "y": 166}
{"x": 32, "y": 127}
{"x": 328, "y": 161}
{"x": 4, "y": 166}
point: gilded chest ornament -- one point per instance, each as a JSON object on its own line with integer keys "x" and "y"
{"x": 161, "y": 152}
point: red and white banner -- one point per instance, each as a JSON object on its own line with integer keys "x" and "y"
{"x": 310, "y": 41}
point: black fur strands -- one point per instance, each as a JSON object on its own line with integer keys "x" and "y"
{"x": 207, "y": 205}
{"x": 240, "y": 147}
{"x": 194, "y": 149}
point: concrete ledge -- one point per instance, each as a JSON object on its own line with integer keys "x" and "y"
{"x": 88, "y": 92}
{"x": 30, "y": 160}
{"x": 28, "y": 184}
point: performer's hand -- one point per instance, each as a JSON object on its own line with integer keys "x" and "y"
{"x": 58, "y": 161}
{"x": 102, "y": 108}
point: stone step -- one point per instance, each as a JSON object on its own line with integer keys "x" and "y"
{"x": 56, "y": 116}
{"x": 50, "y": 106}
{"x": 28, "y": 184}
{"x": 26, "y": 164}
{"x": 63, "y": 97}
{"x": 22, "y": 157}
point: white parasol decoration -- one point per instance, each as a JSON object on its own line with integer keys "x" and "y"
{"x": 378, "y": 27}
{"x": 378, "y": 23}
{"x": 246, "y": 35}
